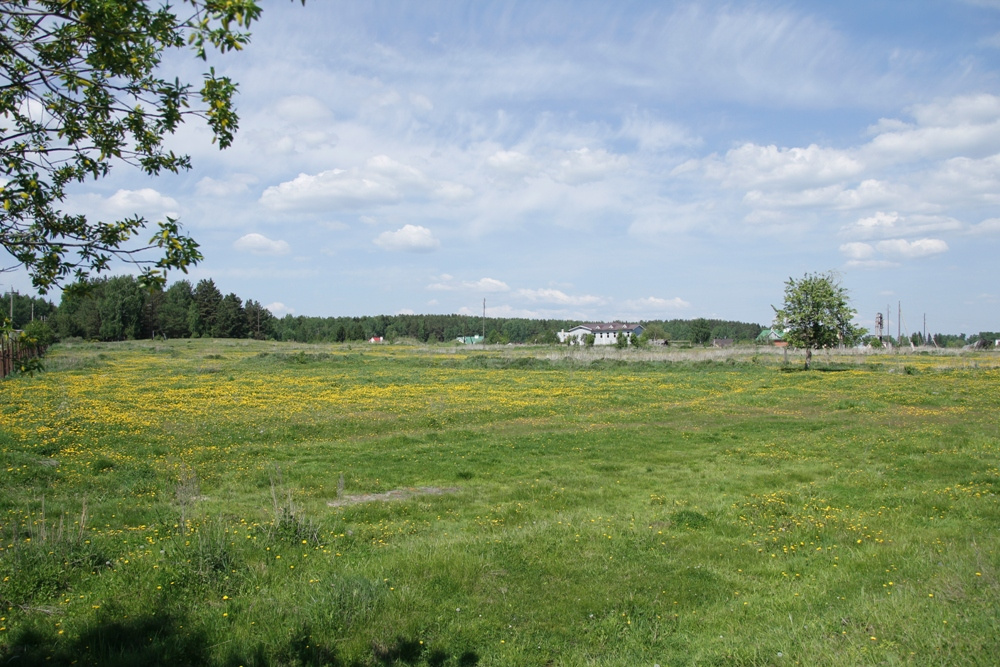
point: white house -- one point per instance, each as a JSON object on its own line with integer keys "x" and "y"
{"x": 604, "y": 334}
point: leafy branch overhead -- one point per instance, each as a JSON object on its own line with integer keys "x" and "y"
{"x": 81, "y": 90}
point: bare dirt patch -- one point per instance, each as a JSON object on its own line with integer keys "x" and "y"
{"x": 395, "y": 494}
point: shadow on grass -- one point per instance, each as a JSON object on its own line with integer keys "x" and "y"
{"x": 158, "y": 639}
{"x": 149, "y": 641}
{"x": 411, "y": 652}
{"x": 816, "y": 369}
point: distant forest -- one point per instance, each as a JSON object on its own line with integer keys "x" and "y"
{"x": 119, "y": 308}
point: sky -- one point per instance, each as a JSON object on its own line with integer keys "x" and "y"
{"x": 597, "y": 161}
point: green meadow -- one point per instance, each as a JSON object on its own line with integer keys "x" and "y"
{"x": 245, "y": 503}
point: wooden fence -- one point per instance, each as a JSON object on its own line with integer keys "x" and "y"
{"x": 13, "y": 351}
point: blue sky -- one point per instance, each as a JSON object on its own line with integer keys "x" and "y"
{"x": 599, "y": 161}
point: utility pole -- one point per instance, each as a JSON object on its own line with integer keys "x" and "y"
{"x": 888, "y": 323}
{"x": 484, "y": 322}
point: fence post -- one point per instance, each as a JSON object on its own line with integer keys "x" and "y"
{"x": 12, "y": 351}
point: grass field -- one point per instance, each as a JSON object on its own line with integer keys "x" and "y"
{"x": 237, "y": 503}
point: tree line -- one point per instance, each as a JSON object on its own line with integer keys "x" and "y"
{"x": 123, "y": 308}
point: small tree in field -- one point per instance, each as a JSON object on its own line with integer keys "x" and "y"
{"x": 816, "y": 314}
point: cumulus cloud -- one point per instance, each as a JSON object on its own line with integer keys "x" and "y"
{"x": 586, "y": 166}
{"x": 510, "y": 162}
{"x": 752, "y": 165}
{"x": 990, "y": 226}
{"x": 279, "y": 309}
{"x": 380, "y": 181}
{"x": 964, "y": 109}
{"x": 652, "y": 304}
{"x": 873, "y": 225}
{"x": 145, "y": 201}
{"x": 302, "y": 109}
{"x": 883, "y": 224}
{"x": 914, "y": 176}
{"x": 489, "y": 285}
{"x": 506, "y": 310}
{"x": 912, "y": 249}
{"x": 548, "y": 295}
{"x": 857, "y": 250}
{"x": 333, "y": 188}
{"x": 655, "y": 135}
{"x": 259, "y": 244}
{"x": 446, "y": 282}
{"x": 234, "y": 185}
{"x": 959, "y": 126}
{"x": 409, "y": 238}
{"x": 421, "y": 102}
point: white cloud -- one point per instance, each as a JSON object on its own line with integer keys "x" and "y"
{"x": 261, "y": 245}
{"x": 883, "y": 224}
{"x": 489, "y": 285}
{"x": 957, "y": 126}
{"x": 279, "y": 309}
{"x": 380, "y": 181}
{"x": 912, "y": 249}
{"x": 452, "y": 192}
{"x": 421, "y": 102}
{"x": 947, "y": 159}
{"x": 652, "y": 134}
{"x": 752, "y": 165}
{"x": 586, "y": 166}
{"x": 857, "y": 251}
{"x": 990, "y": 226}
{"x": 548, "y": 295}
{"x": 145, "y": 201}
{"x": 877, "y": 224}
{"x": 446, "y": 282}
{"x": 655, "y": 304}
{"x": 506, "y": 310}
{"x": 510, "y": 162}
{"x": 870, "y": 193}
{"x": 332, "y": 188}
{"x": 302, "y": 109}
{"x": 961, "y": 110}
{"x": 410, "y": 238}
{"x": 935, "y": 142}
{"x": 237, "y": 184}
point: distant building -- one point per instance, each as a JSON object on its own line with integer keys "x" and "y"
{"x": 604, "y": 334}
{"x": 376, "y": 339}
{"x": 722, "y": 342}
{"x": 771, "y": 337}
{"x": 470, "y": 340}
